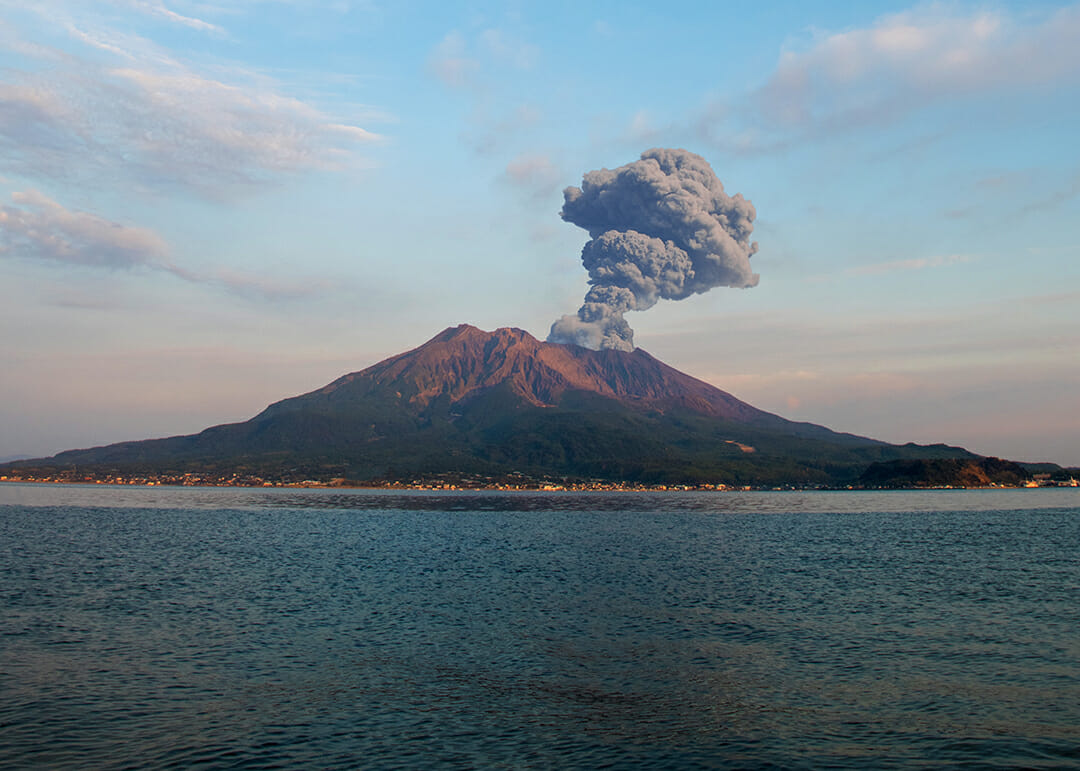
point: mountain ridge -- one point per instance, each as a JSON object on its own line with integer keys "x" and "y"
{"x": 463, "y": 359}
{"x": 494, "y": 403}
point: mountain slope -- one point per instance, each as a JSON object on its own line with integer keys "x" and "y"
{"x": 476, "y": 402}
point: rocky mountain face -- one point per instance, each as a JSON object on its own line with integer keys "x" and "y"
{"x": 463, "y": 363}
{"x": 476, "y": 402}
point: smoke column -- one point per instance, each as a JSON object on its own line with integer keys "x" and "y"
{"x": 661, "y": 227}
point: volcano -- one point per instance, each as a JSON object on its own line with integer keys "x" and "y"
{"x": 491, "y": 404}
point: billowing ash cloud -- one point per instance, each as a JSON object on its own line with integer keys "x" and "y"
{"x": 661, "y": 227}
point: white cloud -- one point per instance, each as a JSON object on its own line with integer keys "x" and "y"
{"x": 94, "y": 42}
{"x": 38, "y": 228}
{"x": 132, "y": 113}
{"x": 159, "y": 9}
{"x": 901, "y": 64}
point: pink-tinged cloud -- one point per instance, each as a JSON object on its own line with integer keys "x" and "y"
{"x": 534, "y": 173}
{"x": 148, "y": 119}
{"x": 901, "y": 64}
{"x": 450, "y": 63}
{"x": 35, "y": 227}
{"x": 38, "y": 227}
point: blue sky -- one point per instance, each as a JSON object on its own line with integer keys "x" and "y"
{"x": 209, "y": 206}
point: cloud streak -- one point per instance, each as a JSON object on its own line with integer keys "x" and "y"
{"x": 901, "y": 64}
{"x": 916, "y": 263}
{"x": 39, "y": 228}
{"x": 134, "y": 113}
{"x": 162, "y": 11}
{"x": 35, "y": 227}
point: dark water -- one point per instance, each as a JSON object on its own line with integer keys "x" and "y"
{"x": 273, "y": 629}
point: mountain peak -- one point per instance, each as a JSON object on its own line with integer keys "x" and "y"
{"x": 464, "y": 332}
{"x": 503, "y": 401}
{"x": 462, "y": 362}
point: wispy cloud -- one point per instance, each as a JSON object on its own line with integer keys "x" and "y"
{"x": 160, "y": 10}
{"x": 450, "y": 63}
{"x": 250, "y": 285}
{"x": 902, "y": 63}
{"x": 39, "y": 228}
{"x": 459, "y": 61}
{"x": 490, "y": 130}
{"x": 1055, "y": 198}
{"x": 535, "y": 174}
{"x": 87, "y": 39}
{"x": 508, "y": 49}
{"x": 474, "y": 64}
{"x": 917, "y": 263}
{"x": 643, "y": 129}
{"x": 133, "y": 113}
{"x": 896, "y": 266}
{"x": 35, "y": 227}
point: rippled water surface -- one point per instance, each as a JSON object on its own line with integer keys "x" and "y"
{"x": 253, "y": 629}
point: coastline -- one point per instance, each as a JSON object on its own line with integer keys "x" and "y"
{"x": 479, "y": 486}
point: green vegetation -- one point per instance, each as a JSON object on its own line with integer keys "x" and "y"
{"x": 501, "y": 405}
{"x": 494, "y": 435}
{"x": 945, "y": 472}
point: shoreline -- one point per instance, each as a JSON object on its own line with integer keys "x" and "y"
{"x": 531, "y": 487}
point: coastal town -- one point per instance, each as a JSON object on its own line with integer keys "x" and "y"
{"x": 509, "y": 482}
{"x": 438, "y": 482}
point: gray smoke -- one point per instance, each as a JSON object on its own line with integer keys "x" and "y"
{"x": 661, "y": 227}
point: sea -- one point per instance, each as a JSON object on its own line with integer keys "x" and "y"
{"x": 154, "y": 627}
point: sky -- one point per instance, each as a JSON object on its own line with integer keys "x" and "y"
{"x": 210, "y": 205}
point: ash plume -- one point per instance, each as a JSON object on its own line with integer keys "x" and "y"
{"x": 659, "y": 228}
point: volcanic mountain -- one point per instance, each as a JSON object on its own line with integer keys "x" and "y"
{"x": 489, "y": 404}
